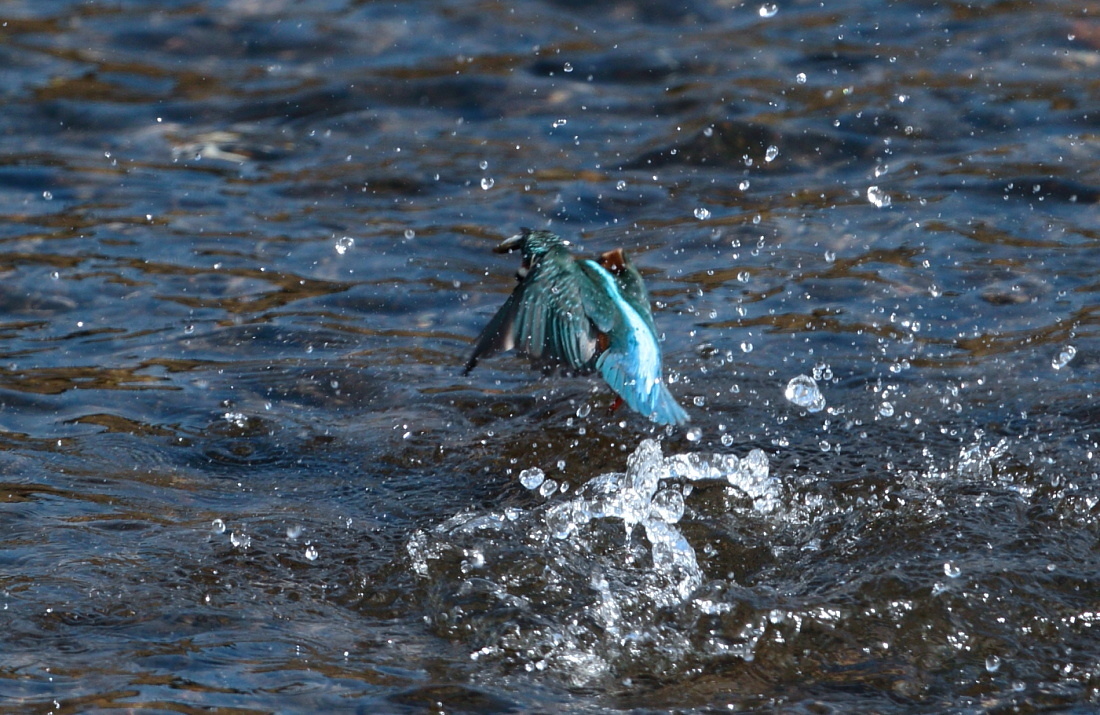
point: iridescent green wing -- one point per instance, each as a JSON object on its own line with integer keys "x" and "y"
{"x": 555, "y": 316}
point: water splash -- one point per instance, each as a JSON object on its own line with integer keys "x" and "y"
{"x": 584, "y": 586}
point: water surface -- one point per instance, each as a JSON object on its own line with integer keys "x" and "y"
{"x": 245, "y": 249}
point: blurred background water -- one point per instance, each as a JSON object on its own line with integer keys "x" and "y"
{"x": 245, "y": 249}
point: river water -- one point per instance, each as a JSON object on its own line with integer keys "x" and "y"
{"x": 245, "y": 250}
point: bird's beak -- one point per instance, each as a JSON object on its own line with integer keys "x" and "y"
{"x": 511, "y": 244}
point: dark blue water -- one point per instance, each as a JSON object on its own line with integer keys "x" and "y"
{"x": 245, "y": 249}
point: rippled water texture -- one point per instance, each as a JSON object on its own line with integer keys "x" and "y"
{"x": 245, "y": 249}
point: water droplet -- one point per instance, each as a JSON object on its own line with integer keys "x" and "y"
{"x": 532, "y": 478}
{"x": 702, "y": 214}
{"x": 694, "y": 434}
{"x": 584, "y": 410}
{"x": 746, "y": 347}
{"x": 312, "y": 553}
{"x": 769, "y": 9}
{"x": 951, "y": 570}
{"x": 886, "y": 409}
{"x": 992, "y": 663}
{"x": 483, "y": 164}
{"x": 830, "y": 256}
{"x": 800, "y": 78}
{"x": 802, "y": 391}
{"x": 1064, "y": 357}
{"x": 726, "y": 439}
{"x": 217, "y": 526}
{"x": 878, "y": 197}
{"x": 293, "y": 531}
{"x": 699, "y": 400}
{"x": 241, "y": 541}
{"x": 409, "y": 234}
{"x": 770, "y": 153}
{"x": 620, "y": 184}
{"x": 487, "y": 183}
{"x": 548, "y": 487}
{"x": 882, "y": 170}
{"x": 48, "y": 195}
{"x": 560, "y": 123}
{"x": 567, "y": 67}
{"x": 343, "y": 244}
{"x": 744, "y": 185}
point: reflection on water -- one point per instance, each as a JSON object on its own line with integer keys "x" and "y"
{"x": 244, "y": 254}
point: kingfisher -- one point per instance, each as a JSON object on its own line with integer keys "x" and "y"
{"x": 584, "y": 316}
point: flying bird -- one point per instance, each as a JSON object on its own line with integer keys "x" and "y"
{"x": 585, "y": 316}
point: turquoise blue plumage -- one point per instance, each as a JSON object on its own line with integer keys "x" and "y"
{"x": 582, "y": 316}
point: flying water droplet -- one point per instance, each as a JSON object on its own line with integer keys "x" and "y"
{"x": 1064, "y": 357}
{"x": 744, "y": 185}
{"x": 886, "y": 409}
{"x": 878, "y": 197}
{"x": 532, "y": 478}
{"x": 311, "y": 553}
{"x": 343, "y": 244}
{"x": 992, "y": 663}
{"x": 800, "y": 78}
{"x": 409, "y": 234}
{"x": 560, "y": 123}
{"x": 217, "y": 526}
{"x": 771, "y": 153}
{"x": 487, "y": 183}
{"x": 768, "y": 9}
{"x": 584, "y": 410}
{"x": 694, "y": 434}
{"x": 548, "y": 487}
{"x": 293, "y": 531}
{"x": 951, "y": 570}
{"x": 702, "y": 214}
{"x": 802, "y": 391}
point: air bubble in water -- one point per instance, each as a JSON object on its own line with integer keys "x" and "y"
{"x": 1064, "y": 357}
{"x": 532, "y": 478}
{"x": 802, "y": 391}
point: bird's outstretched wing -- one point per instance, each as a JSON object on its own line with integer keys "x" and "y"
{"x": 555, "y": 316}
